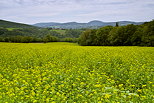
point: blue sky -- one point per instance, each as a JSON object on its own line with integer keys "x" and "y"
{"x": 34, "y": 11}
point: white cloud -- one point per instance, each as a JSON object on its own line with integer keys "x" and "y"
{"x": 33, "y": 11}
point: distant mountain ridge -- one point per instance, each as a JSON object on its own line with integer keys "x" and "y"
{"x": 91, "y": 24}
{"x": 68, "y": 25}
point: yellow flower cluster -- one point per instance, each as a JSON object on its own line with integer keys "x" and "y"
{"x": 66, "y": 72}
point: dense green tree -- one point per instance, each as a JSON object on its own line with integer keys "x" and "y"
{"x": 148, "y": 34}
{"x": 2, "y": 39}
{"x": 138, "y": 35}
{"x": 124, "y": 34}
{"x": 92, "y": 37}
{"x": 69, "y": 40}
{"x": 84, "y": 37}
{"x": 113, "y": 36}
{"x": 3, "y": 30}
{"x": 102, "y": 35}
{"x": 49, "y": 38}
{"x": 73, "y": 33}
{"x": 117, "y": 24}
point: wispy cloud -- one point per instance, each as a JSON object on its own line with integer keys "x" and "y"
{"x": 32, "y": 11}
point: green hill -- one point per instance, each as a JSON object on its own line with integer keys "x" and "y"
{"x": 8, "y": 24}
{"x": 92, "y": 24}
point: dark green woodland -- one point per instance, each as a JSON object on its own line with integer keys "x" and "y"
{"x": 127, "y": 35}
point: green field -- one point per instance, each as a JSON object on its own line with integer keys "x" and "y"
{"x": 68, "y": 73}
{"x": 62, "y": 32}
{"x": 10, "y": 29}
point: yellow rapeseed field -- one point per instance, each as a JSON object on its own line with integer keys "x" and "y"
{"x": 68, "y": 73}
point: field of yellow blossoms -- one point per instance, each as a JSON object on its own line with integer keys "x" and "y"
{"x": 68, "y": 73}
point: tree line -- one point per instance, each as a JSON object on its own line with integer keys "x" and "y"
{"x": 27, "y": 35}
{"x": 129, "y": 35}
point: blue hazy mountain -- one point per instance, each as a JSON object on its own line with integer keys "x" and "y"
{"x": 91, "y": 24}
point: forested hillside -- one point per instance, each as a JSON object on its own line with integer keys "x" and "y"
{"x": 130, "y": 35}
{"x": 38, "y": 35}
{"x": 8, "y": 24}
{"x": 17, "y": 32}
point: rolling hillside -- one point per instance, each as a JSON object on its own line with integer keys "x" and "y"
{"x": 8, "y": 24}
